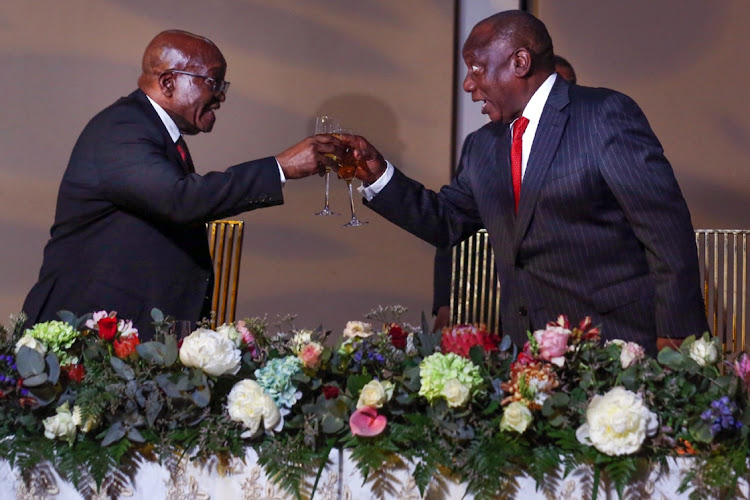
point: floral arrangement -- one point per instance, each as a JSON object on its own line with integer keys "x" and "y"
{"x": 88, "y": 397}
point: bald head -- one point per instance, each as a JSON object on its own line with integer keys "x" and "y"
{"x": 175, "y": 49}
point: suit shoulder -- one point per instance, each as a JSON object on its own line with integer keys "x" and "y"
{"x": 126, "y": 110}
{"x": 597, "y": 96}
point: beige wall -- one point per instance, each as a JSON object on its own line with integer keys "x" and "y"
{"x": 685, "y": 63}
{"x": 385, "y": 66}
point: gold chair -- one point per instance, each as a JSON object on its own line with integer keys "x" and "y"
{"x": 723, "y": 257}
{"x": 475, "y": 292}
{"x": 225, "y": 244}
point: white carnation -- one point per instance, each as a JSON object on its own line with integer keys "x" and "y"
{"x": 617, "y": 423}
{"x": 210, "y": 351}
{"x": 247, "y": 403}
{"x": 704, "y": 352}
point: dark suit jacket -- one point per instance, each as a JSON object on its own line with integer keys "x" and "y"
{"x": 129, "y": 231}
{"x": 602, "y": 227}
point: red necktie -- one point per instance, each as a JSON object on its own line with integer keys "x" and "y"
{"x": 185, "y": 154}
{"x": 516, "y": 155}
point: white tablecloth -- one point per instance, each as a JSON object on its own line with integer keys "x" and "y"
{"x": 340, "y": 480}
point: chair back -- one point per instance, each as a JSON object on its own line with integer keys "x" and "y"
{"x": 475, "y": 291}
{"x": 723, "y": 257}
{"x": 225, "y": 244}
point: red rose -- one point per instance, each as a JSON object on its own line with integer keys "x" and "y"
{"x": 125, "y": 348}
{"x": 75, "y": 372}
{"x": 398, "y": 336}
{"x": 107, "y": 328}
{"x": 331, "y": 391}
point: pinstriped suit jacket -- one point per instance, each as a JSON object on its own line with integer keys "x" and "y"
{"x": 602, "y": 229}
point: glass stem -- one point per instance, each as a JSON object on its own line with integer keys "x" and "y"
{"x": 351, "y": 200}
{"x": 328, "y": 182}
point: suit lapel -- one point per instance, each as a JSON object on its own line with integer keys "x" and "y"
{"x": 546, "y": 141}
{"x": 171, "y": 151}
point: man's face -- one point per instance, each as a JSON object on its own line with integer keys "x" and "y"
{"x": 491, "y": 76}
{"x": 193, "y": 102}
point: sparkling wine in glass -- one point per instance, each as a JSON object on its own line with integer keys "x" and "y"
{"x": 325, "y": 124}
{"x": 346, "y": 169}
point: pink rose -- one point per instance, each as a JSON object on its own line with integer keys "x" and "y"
{"x": 553, "y": 343}
{"x": 310, "y": 355}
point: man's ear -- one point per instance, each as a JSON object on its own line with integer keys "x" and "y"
{"x": 167, "y": 83}
{"x": 522, "y": 62}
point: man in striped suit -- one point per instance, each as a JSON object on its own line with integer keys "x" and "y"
{"x": 600, "y": 227}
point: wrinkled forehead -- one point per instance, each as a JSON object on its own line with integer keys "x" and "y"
{"x": 483, "y": 41}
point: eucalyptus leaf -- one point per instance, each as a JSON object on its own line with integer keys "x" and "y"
{"x": 123, "y": 369}
{"x": 114, "y": 434}
{"x": 170, "y": 350}
{"x": 476, "y": 354}
{"x": 505, "y": 343}
{"x": 35, "y": 380}
{"x": 331, "y": 424}
{"x": 135, "y": 436}
{"x": 53, "y": 366}
{"x": 202, "y": 397}
{"x": 157, "y": 315}
{"x": 29, "y": 362}
{"x": 355, "y": 383}
{"x": 153, "y": 352}
{"x": 671, "y": 359}
{"x": 68, "y": 317}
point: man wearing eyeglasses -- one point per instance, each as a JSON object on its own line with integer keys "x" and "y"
{"x": 129, "y": 231}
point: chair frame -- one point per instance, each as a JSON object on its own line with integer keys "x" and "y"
{"x": 225, "y": 244}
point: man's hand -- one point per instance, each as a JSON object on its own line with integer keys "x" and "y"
{"x": 370, "y": 163}
{"x": 308, "y": 156}
{"x": 442, "y": 318}
{"x": 662, "y": 342}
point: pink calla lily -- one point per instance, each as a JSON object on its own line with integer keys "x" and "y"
{"x": 366, "y": 422}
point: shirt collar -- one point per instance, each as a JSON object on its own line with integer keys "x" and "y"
{"x": 174, "y": 131}
{"x": 535, "y": 106}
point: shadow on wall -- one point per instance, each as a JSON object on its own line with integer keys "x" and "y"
{"x": 719, "y": 207}
{"x": 368, "y": 116}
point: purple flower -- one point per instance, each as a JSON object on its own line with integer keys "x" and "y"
{"x": 721, "y": 415}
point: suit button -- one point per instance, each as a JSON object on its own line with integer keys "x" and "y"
{"x": 522, "y": 311}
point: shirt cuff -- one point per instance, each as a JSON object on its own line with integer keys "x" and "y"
{"x": 369, "y": 192}
{"x": 281, "y": 173}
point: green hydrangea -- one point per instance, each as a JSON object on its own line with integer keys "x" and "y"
{"x": 58, "y": 336}
{"x": 439, "y": 368}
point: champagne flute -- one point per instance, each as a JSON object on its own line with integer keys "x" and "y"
{"x": 325, "y": 124}
{"x": 346, "y": 170}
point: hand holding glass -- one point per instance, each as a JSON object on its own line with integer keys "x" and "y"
{"x": 347, "y": 169}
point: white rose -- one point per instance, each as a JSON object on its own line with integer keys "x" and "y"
{"x": 210, "y": 351}
{"x": 229, "y": 331}
{"x": 630, "y": 352}
{"x": 60, "y": 425}
{"x": 91, "y": 422}
{"x": 455, "y": 393}
{"x": 31, "y": 343}
{"x": 247, "y": 403}
{"x": 617, "y": 423}
{"x": 516, "y": 417}
{"x": 357, "y": 329}
{"x": 704, "y": 352}
{"x": 375, "y": 393}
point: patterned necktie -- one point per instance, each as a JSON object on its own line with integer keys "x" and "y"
{"x": 516, "y": 155}
{"x": 185, "y": 155}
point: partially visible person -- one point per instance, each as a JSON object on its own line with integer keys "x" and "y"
{"x": 441, "y": 288}
{"x": 129, "y": 231}
{"x": 582, "y": 208}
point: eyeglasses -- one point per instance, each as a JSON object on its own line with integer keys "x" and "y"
{"x": 217, "y": 86}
